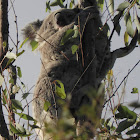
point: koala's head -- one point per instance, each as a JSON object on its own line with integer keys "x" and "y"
{"x": 56, "y": 21}
{"x": 64, "y": 17}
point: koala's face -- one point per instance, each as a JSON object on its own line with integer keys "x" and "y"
{"x": 64, "y": 17}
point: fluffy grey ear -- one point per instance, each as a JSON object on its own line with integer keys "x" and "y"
{"x": 31, "y": 29}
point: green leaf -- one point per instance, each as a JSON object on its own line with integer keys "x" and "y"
{"x": 124, "y": 125}
{"x": 54, "y": 3}
{"x": 74, "y": 49}
{"x": 1, "y": 80}
{"x": 4, "y": 44}
{"x": 107, "y": 121}
{"x": 126, "y": 39}
{"x": 76, "y": 31}
{"x": 16, "y": 104}
{"x": 25, "y": 135}
{"x": 48, "y": 6}
{"x": 19, "y": 130}
{"x": 60, "y": 91}
{"x": 25, "y": 116}
{"x": 23, "y": 42}
{"x": 135, "y": 90}
{"x": 129, "y": 28}
{"x": 25, "y": 95}
{"x": 14, "y": 129}
{"x": 34, "y": 45}
{"x": 20, "y": 53}
{"x": 127, "y": 17}
{"x": 5, "y": 96}
{"x": 71, "y": 4}
{"x": 101, "y": 4}
{"x": 19, "y": 72}
{"x": 68, "y": 34}
{"x": 46, "y": 105}
{"x": 11, "y": 81}
{"x": 60, "y": 3}
{"x": 123, "y": 6}
{"x": 133, "y": 131}
{"x": 111, "y": 7}
{"x": 10, "y": 61}
{"x": 116, "y": 23}
{"x": 126, "y": 113}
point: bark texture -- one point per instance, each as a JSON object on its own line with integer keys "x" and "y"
{"x": 3, "y": 49}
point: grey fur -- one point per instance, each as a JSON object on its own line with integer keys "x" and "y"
{"x": 58, "y": 62}
{"x": 54, "y": 65}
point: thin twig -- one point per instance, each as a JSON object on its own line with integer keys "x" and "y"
{"x": 121, "y": 83}
{"x": 83, "y": 74}
{"x": 16, "y": 26}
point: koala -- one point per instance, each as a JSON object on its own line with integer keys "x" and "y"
{"x": 58, "y": 62}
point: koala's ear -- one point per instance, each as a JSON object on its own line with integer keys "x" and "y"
{"x": 77, "y": 10}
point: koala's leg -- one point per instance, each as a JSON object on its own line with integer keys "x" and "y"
{"x": 45, "y": 119}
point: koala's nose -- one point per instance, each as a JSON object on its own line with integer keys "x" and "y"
{"x": 60, "y": 20}
{"x": 58, "y": 16}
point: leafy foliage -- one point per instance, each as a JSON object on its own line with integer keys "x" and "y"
{"x": 135, "y": 90}
{"x": 69, "y": 33}
{"x": 124, "y": 121}
{"x": 34, "y": 45}
{"x": 46, "y": 105}
{"x": 59, "y": 89}
{"x": 74, "y": 49}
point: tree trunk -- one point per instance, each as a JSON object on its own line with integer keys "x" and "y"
{"x": 4, "y": 26}
{"x": 4, "y": 30}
